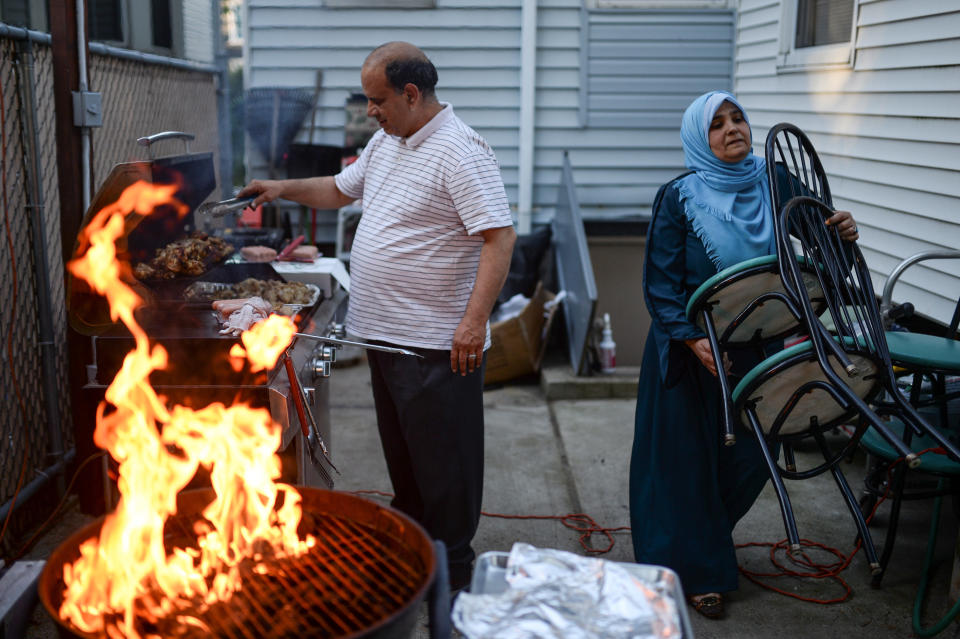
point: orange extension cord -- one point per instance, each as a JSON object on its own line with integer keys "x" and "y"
{"x": 582, "y": 523}
{"x": 808, "y": 568}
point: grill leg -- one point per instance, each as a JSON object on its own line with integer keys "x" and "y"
{"x": 438, "y": 608}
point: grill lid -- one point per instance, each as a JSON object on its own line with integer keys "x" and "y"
{"x": 194, "y": 175}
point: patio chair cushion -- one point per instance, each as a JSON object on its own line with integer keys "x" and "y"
{"x": 763, "y": 260}
{"x": 773, "y": 392}
{"x": 931, "y": 462}
{"x": 924, "y": 351}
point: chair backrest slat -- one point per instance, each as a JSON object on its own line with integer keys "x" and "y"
{"x": 843, "y": 275}
{"x": 793, "y": 167}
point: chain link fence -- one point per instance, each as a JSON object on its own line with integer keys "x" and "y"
{"x": 22, "y": 413}
{"x": 139, "y": 98}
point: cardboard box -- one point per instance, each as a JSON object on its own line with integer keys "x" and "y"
{"x": 518, "y": 344}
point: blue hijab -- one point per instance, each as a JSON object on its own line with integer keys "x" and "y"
{"x": 727, "y": 204}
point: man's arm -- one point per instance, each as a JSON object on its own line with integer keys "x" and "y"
{"x": 491, "y": 274}
{"x": 315, "y": 192}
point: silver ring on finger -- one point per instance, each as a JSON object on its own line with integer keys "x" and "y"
{"x": 472, "y": 356}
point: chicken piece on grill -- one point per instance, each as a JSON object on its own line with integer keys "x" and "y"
{"x": 144, "y": 271}
{"x": 193, "y": 267}
{"x": 189, "y": 256}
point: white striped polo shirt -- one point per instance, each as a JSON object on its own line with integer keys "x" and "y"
{"x": 415, "y": 253}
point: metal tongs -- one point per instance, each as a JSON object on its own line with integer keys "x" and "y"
{"x": 221, "y": 208}
{"x": 372, "y": 347}
{"x": 308, "y": 425}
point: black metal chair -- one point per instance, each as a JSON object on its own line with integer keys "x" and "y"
{"x": 793, "y": 167}
{"x": 807, "y": 389}
{"x": 926, "y": 360}
{"x": 745, "y": 307}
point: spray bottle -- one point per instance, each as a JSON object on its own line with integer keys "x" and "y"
{"x": 607, "y": 347}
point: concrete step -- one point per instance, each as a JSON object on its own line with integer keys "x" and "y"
{"x": 559, "y": 382}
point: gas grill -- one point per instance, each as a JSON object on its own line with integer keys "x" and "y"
{"x": 371, "y": 566}
{"x": 198, "y": 372}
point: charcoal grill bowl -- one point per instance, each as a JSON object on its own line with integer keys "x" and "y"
{"x": 316, "y": 502}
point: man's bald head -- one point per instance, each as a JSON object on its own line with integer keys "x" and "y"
{"x": 404, "y": 64}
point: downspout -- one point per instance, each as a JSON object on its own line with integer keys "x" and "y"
{"x": 528, "y": 101}
{"x": 82, "y": 88}
{"x": 35, "y": 205}
{"x": 223, "y": 106}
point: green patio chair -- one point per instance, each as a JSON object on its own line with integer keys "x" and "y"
{"x": 928, "y": 360}
{"x": 804, "y": 391}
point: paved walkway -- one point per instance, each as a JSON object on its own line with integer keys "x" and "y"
{"x": 571, "y": 455}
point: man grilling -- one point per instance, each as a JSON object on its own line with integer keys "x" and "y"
{"x": 428, "y": 260}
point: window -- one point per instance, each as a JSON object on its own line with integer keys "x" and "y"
{"x": 821, "y": 22}
{"x": 15, "y": 13}
{"x": 162, "y": 24}
{"x": 104, "y": 20}
{"x": 154, "y": 26}
{"x": 816, "y": 33}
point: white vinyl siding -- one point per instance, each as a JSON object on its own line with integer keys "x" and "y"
{"x": 887, "y": 129}
{"x": 639, "y": 71}
{"x": 198, "y": 31}
{"x": 618, "y": 162}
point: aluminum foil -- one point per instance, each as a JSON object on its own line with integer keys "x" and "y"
{"x": 558, "y": 594}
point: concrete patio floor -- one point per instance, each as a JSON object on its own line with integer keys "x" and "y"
{"x": 550, "y": 451}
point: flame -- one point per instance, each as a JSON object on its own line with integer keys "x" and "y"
{"x": 265, "y": 342}
{"x": 126, "y": 572}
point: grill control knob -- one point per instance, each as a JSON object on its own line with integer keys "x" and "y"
{"x": 339, "y": 331}
{"x": 322, "y": 358}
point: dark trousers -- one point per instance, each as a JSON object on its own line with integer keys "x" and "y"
{"x": 431, "y": 430}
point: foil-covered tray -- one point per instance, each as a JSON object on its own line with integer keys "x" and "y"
{"x": 511, "y": 601}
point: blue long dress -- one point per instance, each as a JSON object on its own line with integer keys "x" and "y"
{"x": 687, "y": 490}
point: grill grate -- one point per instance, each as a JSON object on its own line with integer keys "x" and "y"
{"x": 354, "y": 578}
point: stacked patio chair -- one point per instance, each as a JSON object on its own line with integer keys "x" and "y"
{"x": 745, "y": 307}
{"x": 807, "y": 390}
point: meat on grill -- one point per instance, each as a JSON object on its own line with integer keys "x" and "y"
{"x": 190, "y": 256}
{"x": 276, "y": 292}
{"x": 238, "y": 315}
{"x": 258, "y": 253}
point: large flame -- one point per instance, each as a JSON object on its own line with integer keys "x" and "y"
{"x": 127, "y": 572}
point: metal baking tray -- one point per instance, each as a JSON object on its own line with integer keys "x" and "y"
{"x": 203, "y": 292}
{"x": 490, "y": 578}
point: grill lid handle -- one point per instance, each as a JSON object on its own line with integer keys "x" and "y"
{"x": 166, "y": 135}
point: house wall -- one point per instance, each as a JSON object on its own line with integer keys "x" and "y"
{"x": 198, "y": 31}
{"x": 611, "y": 84}
{"x": 886, "y": 126}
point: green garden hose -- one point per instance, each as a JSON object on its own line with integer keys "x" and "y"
{"x": 924, "y": 578}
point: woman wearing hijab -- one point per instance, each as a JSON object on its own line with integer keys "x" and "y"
{"x": 687, "y": 491}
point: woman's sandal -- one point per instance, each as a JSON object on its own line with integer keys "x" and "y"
{"x": 709, "y": 605}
